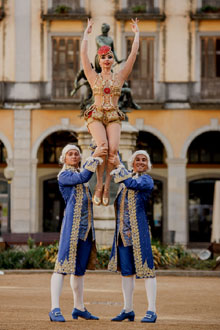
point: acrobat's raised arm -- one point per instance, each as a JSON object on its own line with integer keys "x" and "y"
{"x": 89, "y": 72}
{"x": 124, "y": 73}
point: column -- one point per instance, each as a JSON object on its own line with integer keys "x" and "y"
{"x": 34, "y": 224}
{"x": 177, "y": 206}
{"x": 21, "y": 191}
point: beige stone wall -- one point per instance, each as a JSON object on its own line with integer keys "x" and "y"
{"x": 175, "y": 125}
{"x": 7, "y": 44}
{"x": 42, "y": 120}
{"x": 36, "y": 47}
{"x": 176, "y": 42}
{"x": 7, "y": 124}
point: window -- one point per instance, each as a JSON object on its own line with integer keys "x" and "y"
{"x": 73, "y": 4}
{"x": 66, "y": 64}
{"x": 3, "y": 154}
{"x": 140, "y": 5}
{"x": 205, "y": 149}
{"x": 210, "y": 67}
{"x": 141, "y": 79}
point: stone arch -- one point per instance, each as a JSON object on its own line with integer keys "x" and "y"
{"x": 214, "y": 126}
{"x": 46, "y": 133}
{"x": 161, "y": 137}
{"x": 7, "y": 145}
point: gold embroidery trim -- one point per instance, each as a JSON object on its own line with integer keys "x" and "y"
{"x": 91, "y": 165}
{"x": 142, "y": 270}
{"x": 119, "y": 177}
{"x": 122, "y": 216}
{"x": 89, "y": 213}
{"x": 112, "y": 265}
{"x": 68, "y": 265}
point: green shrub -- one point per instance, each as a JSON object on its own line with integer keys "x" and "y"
{"x": 44, "y": 257}
{"x": 139, "y": 9}
{"x": 11, "y": 259}
{"x": 209, "y": 9}
{"x": 62, "y": 9}
{"x": 103, "y": 256}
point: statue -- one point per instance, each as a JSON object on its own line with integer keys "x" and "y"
{"x": 104, "y": 40}
{"x": 87, "y": 100}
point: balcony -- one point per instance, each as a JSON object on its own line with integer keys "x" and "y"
{"x": 210, "y": 10}
{"x": 142, "y": 9}
{"x": 65, "y": 10}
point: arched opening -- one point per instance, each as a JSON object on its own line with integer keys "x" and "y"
{"x": 3, "y": 191}
{"x": 53, "y": 206}
{"x": 155, "y": 148}
{"x": 3, "y": 154}
{"x": 205, "y": 149}
{"x": 155, "y": 211}
{"x": 3, "y": 206}
{"x": 51, "y": 147}
{"x": 203, "y": 153}
{"x": 51, "y": 201}
{"x": 200, "y": 209}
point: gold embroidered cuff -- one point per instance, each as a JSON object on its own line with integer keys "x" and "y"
{"x": 120, "y": 174}
{"x": 92, "y": 163}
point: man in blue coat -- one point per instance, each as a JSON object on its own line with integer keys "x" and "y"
{"x": 131, "y": 250}
{"x": 77, "y": 233}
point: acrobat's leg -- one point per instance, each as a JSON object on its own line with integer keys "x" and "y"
{"x": 113, "y": 133}
{"x": 98, "y": 132}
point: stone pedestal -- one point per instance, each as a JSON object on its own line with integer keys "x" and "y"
{"x": 84, "y": 141}
{"x": 104, "y": 217}
{"x": 177, "y": 219}
{"x": 128, "y": 140}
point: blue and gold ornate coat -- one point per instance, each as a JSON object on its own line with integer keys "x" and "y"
{"x": 131, "y": 221}
{"x": 78, "y": 216}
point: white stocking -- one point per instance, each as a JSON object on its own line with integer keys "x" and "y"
{"x": 128, "y": 289}
{"x": 77, "y": 284}
{"x": 151, "y": 288}
{"x": 56, "y": 286}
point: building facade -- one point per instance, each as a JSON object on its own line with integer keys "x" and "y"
{"x": 175, "y": 80}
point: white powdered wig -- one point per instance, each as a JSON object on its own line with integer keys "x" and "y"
{"x": 140, "y": 152}
{"x": 67, "y": 148}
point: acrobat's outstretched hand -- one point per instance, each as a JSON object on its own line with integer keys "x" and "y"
{"x": 134, "y": 25}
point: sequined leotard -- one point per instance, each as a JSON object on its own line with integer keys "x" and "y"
{"x": 107, "y": 112}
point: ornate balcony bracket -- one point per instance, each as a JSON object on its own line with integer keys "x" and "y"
{"x": 127, "y": 15}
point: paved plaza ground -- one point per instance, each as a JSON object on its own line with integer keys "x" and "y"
{"x": 183, "y": 303}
